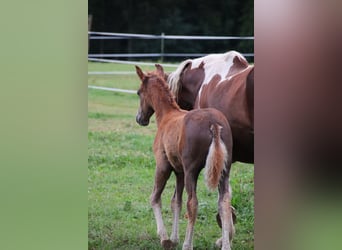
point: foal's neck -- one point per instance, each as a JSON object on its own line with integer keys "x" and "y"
{"x": 164, "y": 103}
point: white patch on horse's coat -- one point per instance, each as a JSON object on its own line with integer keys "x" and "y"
{"x": 215, "y": 64}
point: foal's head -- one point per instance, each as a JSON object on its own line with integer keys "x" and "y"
{"x": 152, "y": 85}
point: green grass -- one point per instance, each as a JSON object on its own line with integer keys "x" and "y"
{"x": 121, "y": 173}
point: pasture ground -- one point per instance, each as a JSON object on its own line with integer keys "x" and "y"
{"x": 121, "y": 174}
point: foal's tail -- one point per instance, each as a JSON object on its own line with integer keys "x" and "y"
{"x": 216, "y": 159}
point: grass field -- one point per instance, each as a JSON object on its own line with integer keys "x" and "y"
{"x": 121, "y": 174}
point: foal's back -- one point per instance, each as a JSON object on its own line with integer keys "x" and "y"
{"x": 185, "y": 137}
{"x": 198, "y": 134}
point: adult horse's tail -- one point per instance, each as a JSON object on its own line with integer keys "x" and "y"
{"x": 216, "y": 159}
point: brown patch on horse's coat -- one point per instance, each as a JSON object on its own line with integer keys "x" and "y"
{"x": 250, "y": 94}
{"x": 202, "y": 100}
{"x": 234, "y": 98}
{"x": 201, "y": 66}
{"x": 239, "y": 64}
{"x": 189, "y": 92}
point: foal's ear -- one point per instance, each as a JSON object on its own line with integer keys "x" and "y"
{"x": 139, "y": 73}
{"x": 160, "y": 70}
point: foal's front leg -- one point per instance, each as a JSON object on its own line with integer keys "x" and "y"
{"x": 163, "y": 171}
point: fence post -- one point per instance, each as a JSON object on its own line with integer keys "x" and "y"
{"x": 162, "y": 47}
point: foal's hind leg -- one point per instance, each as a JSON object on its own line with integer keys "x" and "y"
{"x": 163, "y": 171}
{"x": 226, "y": 215}
{"x": 176, "y": 206}
{"x": 192, "y": 204}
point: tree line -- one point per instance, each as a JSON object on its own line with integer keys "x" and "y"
{"x": 173, "y": 17}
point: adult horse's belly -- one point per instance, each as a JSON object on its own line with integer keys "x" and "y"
{"x": 243, "y": 145}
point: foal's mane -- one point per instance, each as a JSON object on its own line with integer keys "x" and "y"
{"x": 160, "y": 84}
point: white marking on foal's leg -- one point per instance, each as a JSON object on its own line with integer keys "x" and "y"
{"x": 161, "y": 230}
{"x": 175, "y": 225}
{"x": 218, "y": 243}
{"x": 227, "y": 221}
{"x": 192, "y": 206}
{"x": 187, "y": 245}
{"x": 176, "y": 206}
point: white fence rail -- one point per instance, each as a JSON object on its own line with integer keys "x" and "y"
{"x": 130, "y": 62}
{"x": 108, "y": 36}
{"x": 113, "y": 89}
{"x": 192, "y": 55}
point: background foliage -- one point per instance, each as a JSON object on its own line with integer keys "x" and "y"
{"x": 176, "y": 17}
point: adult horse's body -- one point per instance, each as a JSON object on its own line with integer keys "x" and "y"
{"x": 185, "y": 143}
{"x": 225, "y": 82}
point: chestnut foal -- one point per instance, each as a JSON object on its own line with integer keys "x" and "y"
{"x": 186, "y": 142}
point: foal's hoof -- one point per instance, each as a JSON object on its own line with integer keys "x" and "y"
{"x": 218, "y": 243}
{"x": 168, "y": 244}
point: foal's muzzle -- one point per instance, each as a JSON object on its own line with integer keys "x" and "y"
{"x": 141, "y": 121}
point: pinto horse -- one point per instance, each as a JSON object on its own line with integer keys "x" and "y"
{"x": 225, "y": 82}
{"x": 185, "y": 143}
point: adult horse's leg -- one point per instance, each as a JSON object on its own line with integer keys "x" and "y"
{"x": 218, "y": 219}
{"x": 225, "y": 213}
{"x": 163, "y": 171}
{"x": 192, "y": 204}
{"x": 176, "y": 206}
